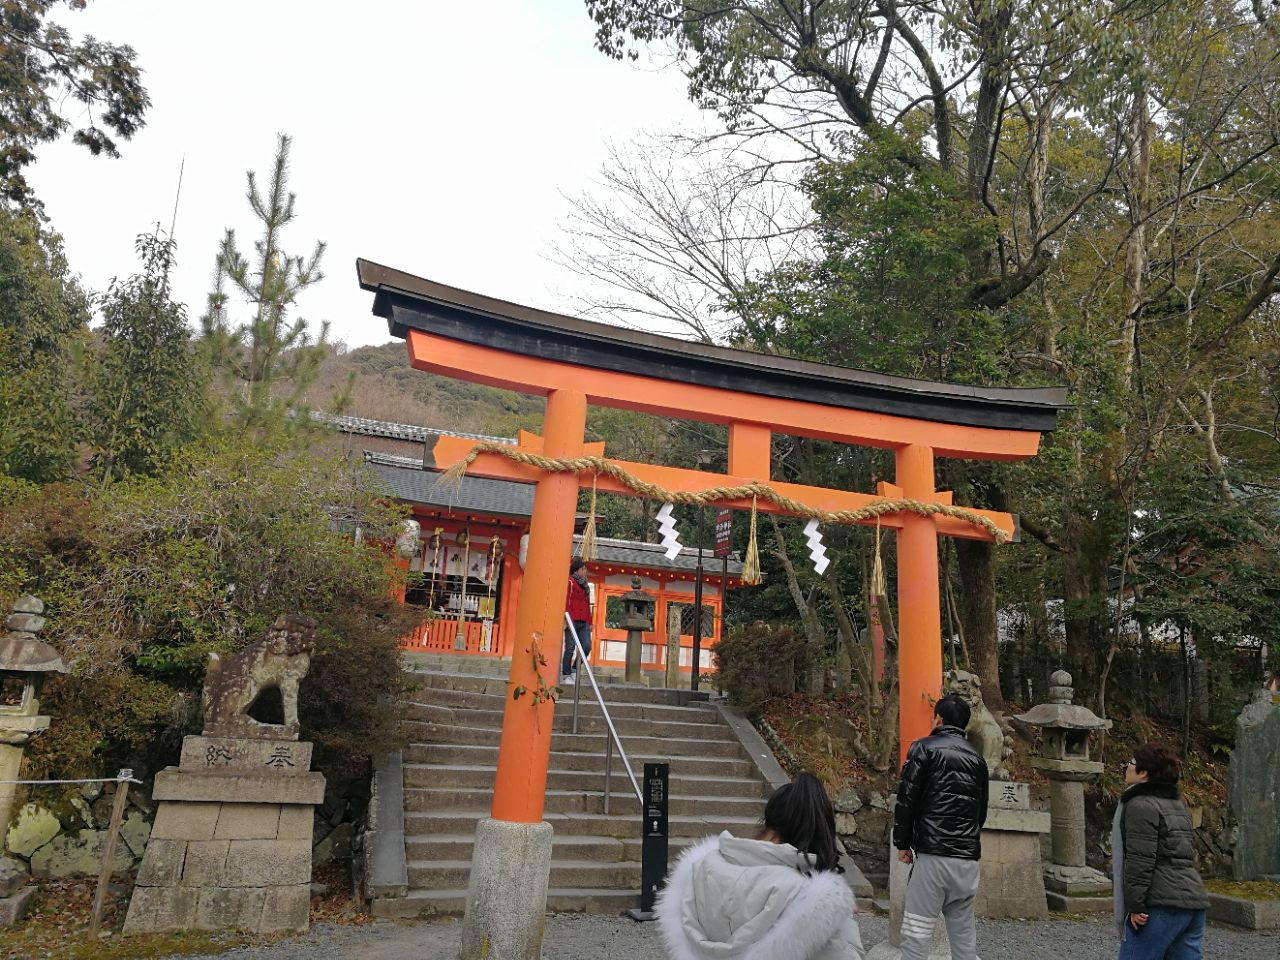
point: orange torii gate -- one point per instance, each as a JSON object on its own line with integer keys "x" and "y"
{"x": 573, "y": 363}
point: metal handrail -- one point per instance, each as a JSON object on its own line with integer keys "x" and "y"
{"x": 613, "y": 737}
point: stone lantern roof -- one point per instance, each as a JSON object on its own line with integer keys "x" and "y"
{"x": 21, "y": 651}
{"x": 1060, "y": 713}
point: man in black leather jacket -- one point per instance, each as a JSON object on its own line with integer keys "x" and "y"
{"x": 942, "y": 805}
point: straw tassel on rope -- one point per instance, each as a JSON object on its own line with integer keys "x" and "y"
{"x": 878, "y": 586}
{"x": 587, "y": 545}
{"x": 751, "y": 562}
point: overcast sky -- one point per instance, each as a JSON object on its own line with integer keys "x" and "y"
{"x": 436, "y": 137}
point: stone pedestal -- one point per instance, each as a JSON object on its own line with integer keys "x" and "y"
{"x": 634, "y": 672}
{"x": 1012, "y": 886}
{"x": 1077, "y": 889}
{"x": 1071, "y": 885}
{"x": 507, "y": 892}
{"x": 231, "y": 845}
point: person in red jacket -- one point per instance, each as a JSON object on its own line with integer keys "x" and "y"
{"x": 578, "y": 605}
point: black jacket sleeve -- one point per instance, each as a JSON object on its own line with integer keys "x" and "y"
{"x": 915, "y": 775}
{"x": 1141, "y": 841}
{"x": 984, "y": 795}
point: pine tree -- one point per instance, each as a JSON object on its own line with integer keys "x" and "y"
{"x": 272, "y": 358}
{"x": 147, "y": 388}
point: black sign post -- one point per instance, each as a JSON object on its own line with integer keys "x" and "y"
{"x": 724, "y": 532}
{"x": 653, "y": 839}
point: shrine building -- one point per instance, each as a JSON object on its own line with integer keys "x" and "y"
{"x": 482, "y": 526}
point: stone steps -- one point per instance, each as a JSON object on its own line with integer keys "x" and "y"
{"x": 453, "y": 720}
{"x": 422, "y": 800}
{"x": 420, "y": 824}
{"x": 566, "y": 874}
{"x": 612, "y": 692}
{"x": 423, "y": 732}
{"x": 458, "y": 846}
{"x": 469, "y": 700}
{"x": 438, "y": 777}
{"x": 429, "y": 903}
{"x": 453, "y": 754}
{"x": 563, "y": 723}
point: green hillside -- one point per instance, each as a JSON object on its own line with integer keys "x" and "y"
{"x": 385, "y": 387}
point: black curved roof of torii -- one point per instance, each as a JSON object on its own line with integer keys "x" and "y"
{"x": 408, "y": 302}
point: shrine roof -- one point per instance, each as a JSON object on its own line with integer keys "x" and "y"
{"x": 408, "y": 480}
{"x": 412, "y": 481}
{"x": 408, "y": 303}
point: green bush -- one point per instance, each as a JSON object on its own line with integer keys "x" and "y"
{"x": 757, "y": 661}
{"x": 144, "y": 579}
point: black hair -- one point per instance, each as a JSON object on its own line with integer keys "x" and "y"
{"x": 1158, "y": 762}
{"x": 576, "y": 564}
{"x": 800, "y": 813}
{"x": 953, "y": 711}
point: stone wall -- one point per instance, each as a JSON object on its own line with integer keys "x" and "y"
{"x": 864, "y": 823}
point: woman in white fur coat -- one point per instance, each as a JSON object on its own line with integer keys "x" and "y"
{"x": 781, "y": 896}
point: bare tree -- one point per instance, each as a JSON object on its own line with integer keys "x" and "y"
{"x": 675, "y": 233}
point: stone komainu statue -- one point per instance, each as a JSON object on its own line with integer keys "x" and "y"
{"x": 279, "y": 660}
{"x": 985, "y": 731}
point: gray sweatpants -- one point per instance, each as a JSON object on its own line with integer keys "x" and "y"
{"x": 940, "y": 885}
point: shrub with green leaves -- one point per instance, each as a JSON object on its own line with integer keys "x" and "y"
{"x": 145, "y": 579}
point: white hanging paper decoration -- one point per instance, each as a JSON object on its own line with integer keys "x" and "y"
{"x": 817, "y": 552}
{"x": 667, "y": 528}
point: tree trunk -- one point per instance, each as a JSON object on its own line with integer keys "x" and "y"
{"x": 1138, "y": 141}
{"x": 1084, "y": 593}
{"x": 978, "y": 615}
{"x": 815, "y": 636}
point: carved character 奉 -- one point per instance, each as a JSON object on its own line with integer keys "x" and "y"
{"x": 279, "y": 660}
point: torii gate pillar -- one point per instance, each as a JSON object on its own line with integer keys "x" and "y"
{"x": 511, "y": 859}
{"x": 919, "y": 615}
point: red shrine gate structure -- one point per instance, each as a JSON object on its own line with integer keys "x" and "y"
{"x": 574, "y": 363}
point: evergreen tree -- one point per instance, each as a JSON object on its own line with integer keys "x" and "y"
{"x": 147, "y": 391}
{"x": 43, "y": 330}
{"x": 271, "y": 359}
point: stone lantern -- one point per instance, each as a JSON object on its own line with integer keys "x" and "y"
{"x": 1070, "y": 883}
{"x": 24, "y": 660}
{"x": 637, "y": 618}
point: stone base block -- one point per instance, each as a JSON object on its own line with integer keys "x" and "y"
{"x": 507, "y": 894}
{"x": 14, "y": 907}
{"x": 1061, "y": 903}
{"x": 228, "y": 851}
{"x": 1076, "y": 881}
{"x": 1012, "y": 886}
{"x": 161, "y": 910}
{"x": 231, "y": 787}
{"x": 1250, "y": 914}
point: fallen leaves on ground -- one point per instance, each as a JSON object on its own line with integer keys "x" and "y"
{"x": 57, "y": 928}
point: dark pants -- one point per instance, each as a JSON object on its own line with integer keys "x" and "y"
{"x": 570, "y": 651}
{"x": 1168, "y": 934}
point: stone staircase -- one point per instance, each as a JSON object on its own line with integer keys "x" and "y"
{"x": 453, "y": 719}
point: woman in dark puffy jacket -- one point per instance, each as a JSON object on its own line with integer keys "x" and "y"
{"x": 1160, "y": 898}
